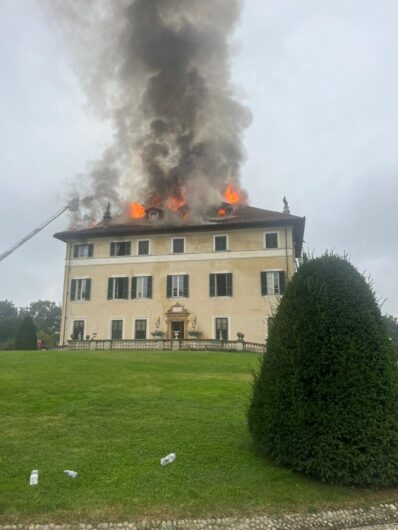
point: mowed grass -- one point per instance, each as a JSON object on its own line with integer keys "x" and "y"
{"x": 111, "y": 416}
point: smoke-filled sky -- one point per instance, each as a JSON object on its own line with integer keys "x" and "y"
{"x": 320, "y": 80}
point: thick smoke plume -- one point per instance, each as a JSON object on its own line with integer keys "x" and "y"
{"x": 160, "y": 70}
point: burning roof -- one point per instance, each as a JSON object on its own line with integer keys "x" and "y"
{"x": 240, "y": 216}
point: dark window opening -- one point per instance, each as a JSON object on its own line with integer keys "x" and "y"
{"x": 121, "y": 249}
{"x": 143, "y": 247}
{"x": 271, "y": 240}
{"x": 221, "y": 328}
{"x": 140, "y": 329}
{"x": 220, "y": 243}
{"x": 117, "y": 329}
{"x": 78, "y": 330}
{"x": 221, "y": 284}
{"x": 178, "y": 246}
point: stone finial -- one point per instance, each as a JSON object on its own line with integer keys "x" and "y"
{"x": 286, "y": 208}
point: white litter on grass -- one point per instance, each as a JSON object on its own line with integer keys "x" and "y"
{"x": 34, "y": 478}
{"x": 70, "y": 473}
{"x": 168, "y": 459}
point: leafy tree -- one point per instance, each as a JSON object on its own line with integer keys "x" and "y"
{"x": 26, "y": 338}
{"x": 47, "y": 319}
{"x": 8, "y": 321}
{"x": 325, "y": 401}
{"x": 392, "y": 327}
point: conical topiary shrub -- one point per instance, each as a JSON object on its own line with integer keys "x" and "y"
{"x": 26, "y": 338}
{"x": 325, "y": 400}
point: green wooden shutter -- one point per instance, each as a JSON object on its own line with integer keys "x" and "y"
{"x": 73, "y": 290}
{"x": 113, "y": 249}
{"x": 133, "y": 288}
{"x": 90, "y": 250}
{"x": 75, "y": 251}
{"x": 282, "y": 282}
{"x": 212, "y": 278}
{"x": 149, "y": 291}
{"x": 229, "y": 284}
{"x": 128, "y": 248}
{"x": 125, "y": 288}
{"x": 186, "y": 286}
{"x": 169, "y": 284}
{"x": 87, "y": 294}
{"x": 264, "y": 289}
{"x": 110, "y": 288}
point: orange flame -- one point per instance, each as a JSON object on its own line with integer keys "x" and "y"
{"x": 137, "y": 210}
{"x": 222, "y": 212}
{"x": 232, "y": 195}
{"x": 175, "y": 203}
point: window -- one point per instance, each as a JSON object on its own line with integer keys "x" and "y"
{"x": 178, "y": 245}
{"x": 178, "y": 286}
{"x": 118, "y": 288}
{"x": 273, "y": 283}
{"x": 80, "y": 289}
{"x": 117, "y": 329}
{"x": 143, "y": 247}
{"x": 221, "y": 328}
{"x": 78, "y": 330}
{"x": 221, "y": 284}
{"x": 141, "y": 287}
{"x": 271, "y": 240}
{"x": 220, "y": 243}
{"x": 140, "y": 329}
{"x": 83, "y": 250}
{"x": 122, "y": 248}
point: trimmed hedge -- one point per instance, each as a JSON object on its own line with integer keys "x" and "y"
{"x": 26, "y": 338}
{"x": 325, "y": 401}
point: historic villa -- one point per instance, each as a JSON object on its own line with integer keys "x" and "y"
{"x": 149, "y": 278}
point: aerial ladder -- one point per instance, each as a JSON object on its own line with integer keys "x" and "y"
{"x": 72, "y": 206}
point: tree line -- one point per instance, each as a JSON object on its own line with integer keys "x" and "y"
{"x": 46, "y": 316}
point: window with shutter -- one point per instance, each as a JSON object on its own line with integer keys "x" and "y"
{"x": 80, "y": 289}
{"x": 118, "y": 288}
{"x": 141, "y": 287}
{"x": 83, "y": 250}
{"x": 273, "y": 283}
{"x": 178, "y": 286}
{"x": 221, "y": 284}
{"x": 121, "y": 248}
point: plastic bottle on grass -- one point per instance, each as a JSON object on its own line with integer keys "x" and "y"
{"x": 168, "y": 459}
{"x": 34, "y": 478}
{"x": 70, "y": 473}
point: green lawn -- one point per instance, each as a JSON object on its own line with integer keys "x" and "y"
{"x": 111, "y": 416}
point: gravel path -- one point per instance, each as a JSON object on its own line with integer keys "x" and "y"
{"x": 377, "y": 517}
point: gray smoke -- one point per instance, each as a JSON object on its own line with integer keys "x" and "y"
{"x": 160, "y": 70}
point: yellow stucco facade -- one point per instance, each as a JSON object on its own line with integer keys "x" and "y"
{"x": 227, "y": 291}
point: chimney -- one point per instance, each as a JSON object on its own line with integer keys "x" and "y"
{"x": 286, "y": 208}
{"x": 107, "y": 215}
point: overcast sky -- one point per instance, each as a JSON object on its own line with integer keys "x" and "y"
{"x": 321, "y": 80}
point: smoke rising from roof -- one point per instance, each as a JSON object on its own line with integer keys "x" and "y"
{"x": 160, "y": 70}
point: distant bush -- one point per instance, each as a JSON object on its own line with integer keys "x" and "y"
{"x": 26, "y": 338}
{"x": 325, "y": 401}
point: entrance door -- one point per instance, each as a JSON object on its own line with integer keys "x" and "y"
{"x": 177, "y": 325}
